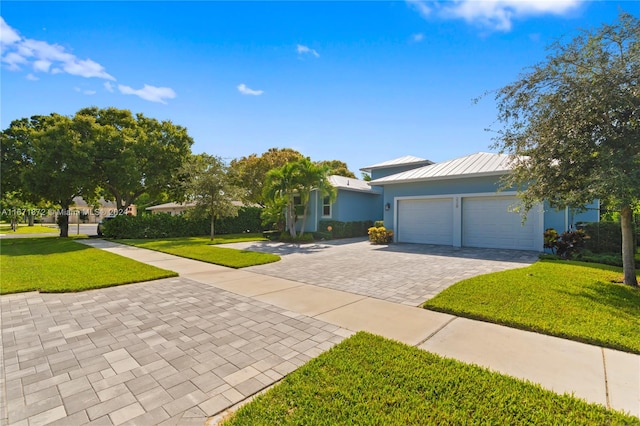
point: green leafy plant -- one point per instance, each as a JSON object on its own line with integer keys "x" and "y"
{"x": 566, "y": 244}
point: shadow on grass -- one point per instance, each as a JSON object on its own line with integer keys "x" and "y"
{"x": 39, "y": 246}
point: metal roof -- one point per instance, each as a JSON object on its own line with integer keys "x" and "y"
{"x": 350, "y": 184}
{"x": 402, "y": 161}
{"x": 481, "y": 163}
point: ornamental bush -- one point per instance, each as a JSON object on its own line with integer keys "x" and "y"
{"x": 329, "y": 229}
{"x": 565, "y": 244}
{"x": 380, "y": 235}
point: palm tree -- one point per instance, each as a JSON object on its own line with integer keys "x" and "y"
{"x": 296, "y": 179}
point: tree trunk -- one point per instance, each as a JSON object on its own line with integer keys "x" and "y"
{"x": 63, "y": 221}
{"x": 291, "y": 219}
{"x": 628, "y": 246}
{"x": 212, "y": 225}
{"x": 30, "y": 219}
{"x": 304, "y": 219}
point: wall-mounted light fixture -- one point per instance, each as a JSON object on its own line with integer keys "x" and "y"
{"x": 387, "y": 206}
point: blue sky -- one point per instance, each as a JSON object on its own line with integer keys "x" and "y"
{"x": 362, "y": 82}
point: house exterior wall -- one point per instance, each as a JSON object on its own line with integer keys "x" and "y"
{"x": 349, "y": 206}
{"x": 352, "y": 206}
{"x": 562, "y": 220}
{"x": 566, "y": 219}
{"x": 441, "y": 187}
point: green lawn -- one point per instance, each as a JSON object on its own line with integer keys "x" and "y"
{"x": 202, "y": 248}
{"x": 24, "y": 229}
{"x": 61, "y": 265}
{"x": 579, "y": 301}
{"x": 368, "y": 380}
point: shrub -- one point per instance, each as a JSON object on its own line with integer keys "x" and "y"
{"x": 604, "y": 237}
{"x": 378, "y": 223}
{"x": 164, "y": 225}
{"x": 380, "y": 235}
{"x": 305, "y": 238}
{"x": 565, "y": 244}
{"x": 330, "y": 229}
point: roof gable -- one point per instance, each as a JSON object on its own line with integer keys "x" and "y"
{"x": 481, "y": 163}
{"x": 350, "y": 184}
{"x": 401, "y": 161}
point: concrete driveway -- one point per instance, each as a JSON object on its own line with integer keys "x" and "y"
{"x": 400, "y": 273}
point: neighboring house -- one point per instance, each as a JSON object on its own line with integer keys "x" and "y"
{"x": 171, "y": 208}
{"x": 355, "y": 201}
{"x": 179, "y": 208}
{"x": 458, "y": 203}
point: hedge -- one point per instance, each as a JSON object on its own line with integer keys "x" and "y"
{"x": 604, "y": 237}
{"x": 343, "y": 229}
{"x": 164, "y": 225}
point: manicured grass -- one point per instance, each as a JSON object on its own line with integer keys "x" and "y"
{"x": 201, "y": 248}
{"x": 568, "y": 299}
{"x": 55, "y": 265}
{"x": 368, "y": 380}
{"x": 24, "y": 229}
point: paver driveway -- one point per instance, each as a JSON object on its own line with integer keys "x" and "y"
{"x": 173, "y": 351}
{"x": 401, "y": 273}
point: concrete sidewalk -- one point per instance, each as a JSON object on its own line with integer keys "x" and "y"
{"x": 600, "y": 375}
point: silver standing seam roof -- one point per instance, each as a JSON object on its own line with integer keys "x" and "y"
{"x": 479, "y": 164}
{"x": 402, "y": 161}
{"x": 351, "y": 184}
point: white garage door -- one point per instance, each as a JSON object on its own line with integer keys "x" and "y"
{"x": 426, "y": 221}
{"x": 488, "y": 222}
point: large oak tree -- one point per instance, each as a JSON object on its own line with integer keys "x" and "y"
{"x": 573, "y": 125}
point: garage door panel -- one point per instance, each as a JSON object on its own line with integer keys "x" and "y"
{"x": 491, "y": 222}
{"x": 426, "y": 221}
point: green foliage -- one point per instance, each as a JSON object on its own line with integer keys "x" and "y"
{"x": 330, "y": 229}
{"x": 572, "y": 126}
{"x": 380, "y": 235}
{"x": 565, "y": 244}
{"x": 336, "y": 167}
{"x": 370, "y": 380}
{"x": 135, "y": 154}
{"x": 54, "y": 265}
{"x": 378, "y": 223}
{"x": 208, "y": 184}
{"x": 569, "y": 299}
{"x": 604, "y": 237}
{"x": 286, "y": 237}
{"x": 295, "y": 180}
{"x": 167, "y": 226}
{"x": 250, "y": 172}
{"x": 106, "y": 152}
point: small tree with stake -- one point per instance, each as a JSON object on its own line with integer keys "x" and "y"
{"x": 572, "y": 124}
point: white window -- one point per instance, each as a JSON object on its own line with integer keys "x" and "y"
{"x": 326, "y": 207}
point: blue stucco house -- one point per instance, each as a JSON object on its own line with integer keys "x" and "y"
{"x": 355, "y": 201}
{"x": 458, "y": 203}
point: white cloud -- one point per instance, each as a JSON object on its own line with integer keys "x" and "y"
{"x": 417, "y": 37}
{"x": 84, "y": 92}
{"x": 149, "y": 93}
{"x": 31, "y": 77}
{"x": 306, "y": 50}
{"x": 421, "y": 6}
{"x": 242, "y": 88}
{"x": 494, "y": 14}
{"x": 44, "y": 57}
